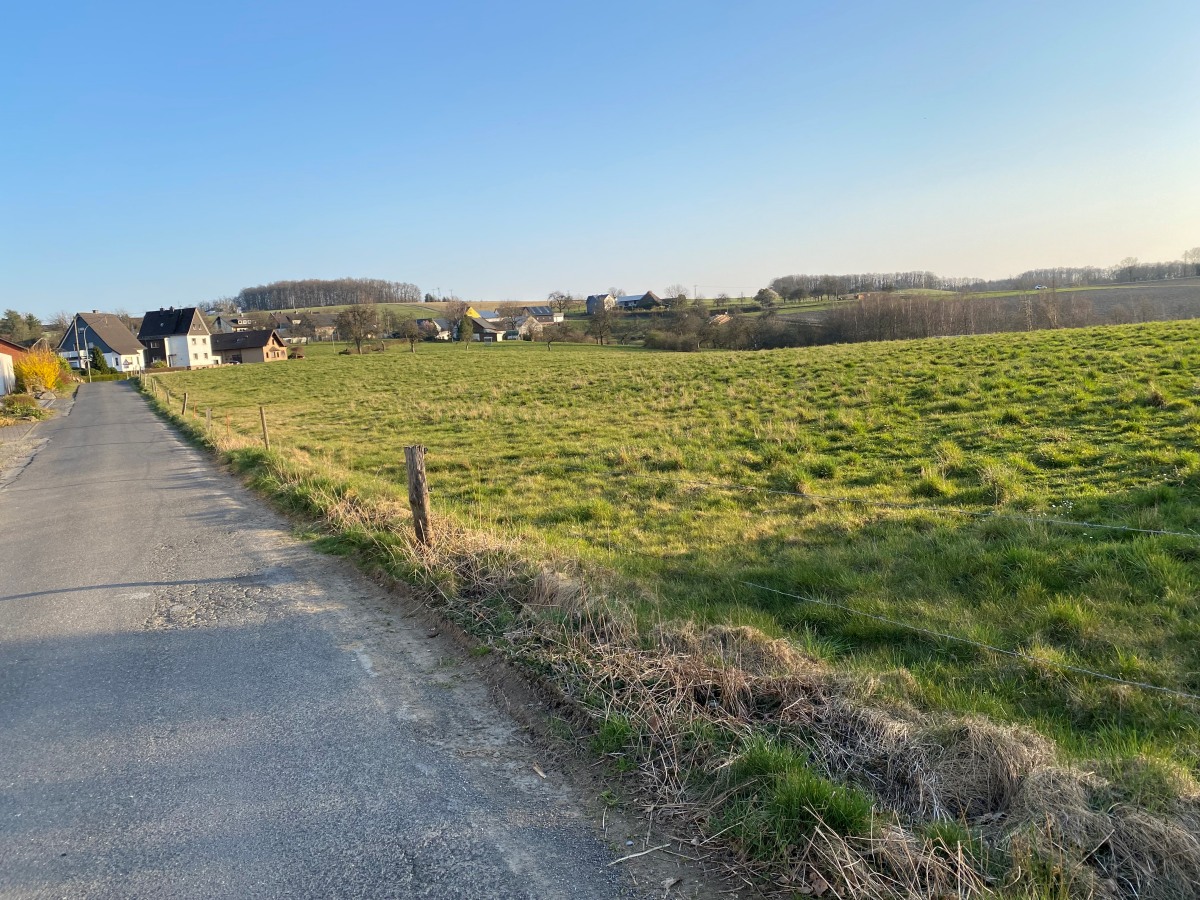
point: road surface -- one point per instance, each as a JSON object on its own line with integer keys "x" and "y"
{"x": 195, "y": 704}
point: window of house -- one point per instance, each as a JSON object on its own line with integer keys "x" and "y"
{"x": 193, "y": 342}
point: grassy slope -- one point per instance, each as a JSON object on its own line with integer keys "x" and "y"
{"x": 588, "y": 449}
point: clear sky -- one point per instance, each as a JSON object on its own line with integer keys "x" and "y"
{"x": 159, "y": 153}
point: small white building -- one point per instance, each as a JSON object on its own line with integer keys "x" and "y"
{"x": 177, "y": 337}
{"x": 106, "y": 332}
{"x": 8, "y": 378}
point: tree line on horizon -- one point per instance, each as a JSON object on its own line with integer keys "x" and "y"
{"x": 1130, "y": 269}
{"x": 311, "y": 292}
{"x": 882, "y": 316}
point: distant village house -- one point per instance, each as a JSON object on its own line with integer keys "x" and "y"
{"x": 261, "y": 345}
{"x": 104, "y": 331}
{"x": 177, "y": 338}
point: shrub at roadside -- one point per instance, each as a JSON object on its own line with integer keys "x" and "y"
{"x": 20, "y": 407}
{"x": 38, "y": 370}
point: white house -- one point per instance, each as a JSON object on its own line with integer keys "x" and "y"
{"x": 87, "y": 331}
{"x": 177, "y": 337}
{"x": 8, "y": 378}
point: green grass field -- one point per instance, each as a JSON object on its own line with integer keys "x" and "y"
{"x": 629, "y": 459}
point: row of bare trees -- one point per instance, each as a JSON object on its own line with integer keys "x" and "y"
{"x": 883, "y": 317}
{"x": 1130, "y": 269}
{"x": 319, "y": 292}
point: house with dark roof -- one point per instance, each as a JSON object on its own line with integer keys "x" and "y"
{"x": 437, "y": 329}
{"x": 177, "y": 338}
{"x": 260, "y": 345}
{"x": 285, "y": 324}
{"x": 322, "y": 325}
{"x": 597, "y": 302}
{"x": 543, "y": 314}
{"x": 226, "y": 323}
{"x": 105, "y": 331}
{"x": 484, "y": 330}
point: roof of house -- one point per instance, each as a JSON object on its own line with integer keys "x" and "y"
{"x": 168, "y": 322}
{"x": 322, "y": 320}
{"x": 110, "y": 329}
{"x": 539, "y": 310}
{"x": 487, "y": 324}
{"x": 597, "y": 297}
{"x": 10, "y": 348}
{"x": 442, "y": 324}
{"x": 242, "y": 340}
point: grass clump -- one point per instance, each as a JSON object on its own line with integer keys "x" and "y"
{"x": 778, "y": 801}
{"x": 21, "y": 408}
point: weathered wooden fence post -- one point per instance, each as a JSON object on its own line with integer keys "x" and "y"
{"x": 208, "y": 421}
{"x": 183, "y": 412}
{"x": 418, "y": 492}
{"x": 262, "y": 417}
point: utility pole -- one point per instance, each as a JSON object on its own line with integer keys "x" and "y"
{"x": 79, "y": 354}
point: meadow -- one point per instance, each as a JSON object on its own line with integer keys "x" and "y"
{"x": 793, "y": 490}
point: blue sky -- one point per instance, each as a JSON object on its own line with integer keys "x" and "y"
{"x": 159, "y": 153}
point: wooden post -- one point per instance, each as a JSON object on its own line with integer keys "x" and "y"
{"x": 183, "y": 412}
{"x": 418, "y": 492}
{"x": 262, "y": 417}
{"x": 208, "y": 421}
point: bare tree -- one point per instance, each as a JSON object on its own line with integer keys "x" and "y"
{"x": 562, "y": 301}
{"x": 510, "y": 315}
{"x": 767, "y": 299}
{"x": 456, "y": 314}
{"x": 358, "y": 323}
{"x": 560, "y": 331}
{"x": 411, "y": 332}
{"x": 60, "y": 322}
{"x": 601, "y": 325}
{"x": 1193, "y": 256}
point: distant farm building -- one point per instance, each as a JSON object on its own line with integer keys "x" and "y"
{"x": 596, "y": 302}
{"x": 262, "y": 345}
{"x": 436, "y": 329}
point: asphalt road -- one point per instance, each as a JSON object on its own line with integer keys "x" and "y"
{"x": 195, "y": 704}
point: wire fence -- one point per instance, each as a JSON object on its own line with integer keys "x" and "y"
{"x": 502, "y": 526}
